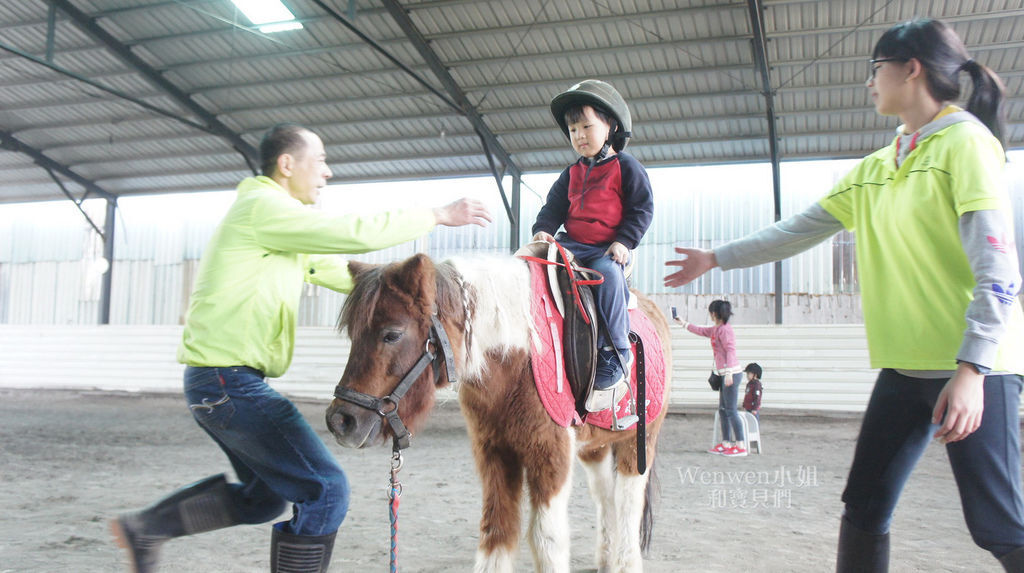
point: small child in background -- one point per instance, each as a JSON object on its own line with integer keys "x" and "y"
{"x": 752, "y": 399}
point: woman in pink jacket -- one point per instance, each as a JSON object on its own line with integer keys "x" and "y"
{"x": 723, "y": 344}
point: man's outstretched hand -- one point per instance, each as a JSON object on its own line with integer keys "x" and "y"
{"x": 463, "y": 212}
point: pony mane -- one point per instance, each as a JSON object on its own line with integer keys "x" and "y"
{"x": 493, "y": 293}
{"x": 499, "y": 291}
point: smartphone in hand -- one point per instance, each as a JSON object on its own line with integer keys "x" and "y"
{"x": 674, "y": 313}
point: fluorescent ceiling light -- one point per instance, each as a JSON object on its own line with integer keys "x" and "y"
{"x": 269, "y": 15}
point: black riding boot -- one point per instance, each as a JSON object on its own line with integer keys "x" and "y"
{"x": 202, "y": 506}
{"x": 860, "y": 551}
{"x": 1013, "y": 562}
{"x": 300, "y": 553}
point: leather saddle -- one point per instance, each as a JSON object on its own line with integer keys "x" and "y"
{"x": 569, "y": 284}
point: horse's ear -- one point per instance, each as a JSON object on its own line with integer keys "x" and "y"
{"x": 356, "y": 268}
{"x": 417, "y": 277}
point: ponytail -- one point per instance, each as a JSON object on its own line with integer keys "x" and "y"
{"x": 987, "y": 98}
{"x": 943, "y": 55}
{"x": 722, "y": 309}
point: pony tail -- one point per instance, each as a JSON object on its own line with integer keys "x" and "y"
{"x": 987, "y": 98}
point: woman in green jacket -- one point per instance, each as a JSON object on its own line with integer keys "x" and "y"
{"x": 939, "y": 281}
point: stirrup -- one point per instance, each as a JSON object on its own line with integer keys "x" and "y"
{"x": 623, "y": 423}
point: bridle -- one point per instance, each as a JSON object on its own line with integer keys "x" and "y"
{"x": 387, "y": 407}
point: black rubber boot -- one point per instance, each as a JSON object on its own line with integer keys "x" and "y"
{"x": 300, "y": 553}
{"x": 1013, "y": 562}
{"x": 202, "y": 506}
{"x": 860, "y": 551}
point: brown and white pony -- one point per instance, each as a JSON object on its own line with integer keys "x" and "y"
{"x": 483, "y": 304}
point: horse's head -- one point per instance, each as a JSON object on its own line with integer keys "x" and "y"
{"x": 389, "y": 315}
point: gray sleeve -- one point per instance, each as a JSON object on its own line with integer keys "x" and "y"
{"x": 985, "y": 236}
{"x": 779, "y": 241}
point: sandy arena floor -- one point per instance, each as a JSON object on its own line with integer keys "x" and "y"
{"x": 71, "y": 460}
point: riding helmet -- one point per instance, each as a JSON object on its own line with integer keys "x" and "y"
{"x": 599, "y": 95}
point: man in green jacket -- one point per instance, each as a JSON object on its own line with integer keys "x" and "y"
{"x": 240, "y": 329}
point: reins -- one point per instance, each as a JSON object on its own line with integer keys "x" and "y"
{"x": 574, "y": 282}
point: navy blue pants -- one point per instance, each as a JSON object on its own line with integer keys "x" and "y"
{"x": 986, "y": 464}
{"x": 276, "y": 455}
{"x": 610, "y": 297}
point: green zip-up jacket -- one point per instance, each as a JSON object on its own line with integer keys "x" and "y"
{"x": 246, "y": 294}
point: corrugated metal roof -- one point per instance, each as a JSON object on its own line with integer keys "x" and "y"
{"x": 685, "y": 66}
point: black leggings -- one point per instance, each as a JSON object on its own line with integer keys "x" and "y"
{"x": 986, "y": 465}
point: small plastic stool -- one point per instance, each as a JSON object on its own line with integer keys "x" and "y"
{"x": 751, "y": 430}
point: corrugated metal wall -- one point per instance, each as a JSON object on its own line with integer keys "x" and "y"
{"x": 805, "y": 367}
{"x": 50, "y": 259}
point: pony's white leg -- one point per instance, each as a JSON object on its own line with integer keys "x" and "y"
{"x": 629, "y": 507}
{"x": 498, "y": 560}
{"x": 549, "y": 523}
{"x": 601, "y": 482}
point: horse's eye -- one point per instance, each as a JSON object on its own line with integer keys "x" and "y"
{"x": 392, "y": 336}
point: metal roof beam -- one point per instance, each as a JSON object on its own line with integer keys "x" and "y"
{"x": 383, "y": 98}
{"x": 369, "y": 158}
{"x": 88, "y": 100}
{"x": 491, "y": 146}
{"x": 751, "y": 136}
{"x": 577, "y": 21}
{"x": 400, "y": 40}
{"x": 105, "y": 75}
{"x": 521, "y": 130}
{"x": 739, "y": 67}
{"x": 213, "y": 88}
{"x": 8, "y": 141}
{"x": 90, "y": 27}
{"x": 148, "y": 8}
{"x": 93, "y": 121}
{"x": 121, "y": 119}
{"x": 552, "y": 167}
{"x": 11, "y": 143}
{"x": 972, "y": 16}
{"x": 231, "y": 27}
{"x": 140, "y": 118}
{"x": 387, "y": 55}
{"x": 335, "y": 49}
{"x": 756, "y": 13}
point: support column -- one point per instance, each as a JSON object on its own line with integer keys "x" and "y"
{"x": 108, "y": 254}
{"x": 761, "y": 65}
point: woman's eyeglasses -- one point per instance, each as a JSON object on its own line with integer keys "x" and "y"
{"x": 873, "y": 67}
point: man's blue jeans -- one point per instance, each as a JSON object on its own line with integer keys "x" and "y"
{"x": 986, "y": 464}
{"x": 275, "y": 453}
